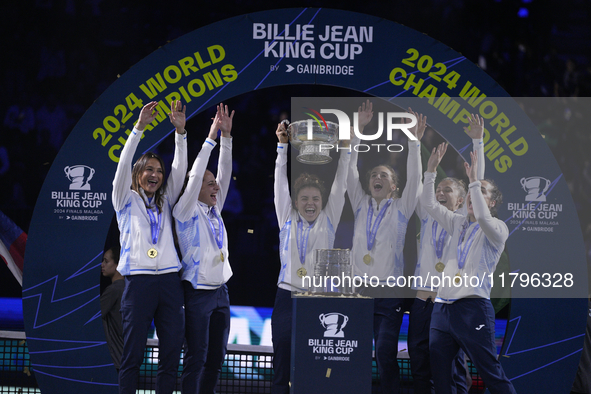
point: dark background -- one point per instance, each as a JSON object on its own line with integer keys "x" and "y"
{"x": 59, "y": 56}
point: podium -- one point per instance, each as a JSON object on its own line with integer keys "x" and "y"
{"x": 331, "y": 345}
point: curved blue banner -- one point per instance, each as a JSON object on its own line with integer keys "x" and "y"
{"x": 314, "y": 47}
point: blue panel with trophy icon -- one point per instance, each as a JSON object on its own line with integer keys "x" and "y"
{"x": 331, "y": 342}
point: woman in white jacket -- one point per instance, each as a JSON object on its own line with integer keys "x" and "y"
{"x": 381, "y": 219}
{"x": 433, "y": 250}
{"x": 203, "y": 242}
{"x": 463, "y": 316}
{"x": 149, "y": 261}
{"x": 306, "y": 225}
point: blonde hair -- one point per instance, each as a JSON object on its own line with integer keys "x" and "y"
{"x": 458, "y": 185}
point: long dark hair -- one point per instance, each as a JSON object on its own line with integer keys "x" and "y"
{"x": 496, "y": 196}
{"x": 138, "y": 169}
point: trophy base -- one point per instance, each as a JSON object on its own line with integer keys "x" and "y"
{"x": 314, "y": 153}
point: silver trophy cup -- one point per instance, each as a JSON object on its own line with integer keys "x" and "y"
{"x": 315, "y": 150}
{"x": 332, "y": 272}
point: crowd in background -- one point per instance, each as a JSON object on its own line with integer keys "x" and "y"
{"x": 60, "y": 55}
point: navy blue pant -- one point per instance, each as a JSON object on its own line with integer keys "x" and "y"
{"x": 387, "y": 320}
{"x": 147, "y": 297}
{"x": 418, "y": 349}
{"x": 207, "y": 316}
{"x": 281, "y": 321}
{"x": 469, "y": 324}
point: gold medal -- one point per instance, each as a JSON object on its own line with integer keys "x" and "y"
{"x": 458, "y": 278}
{"x": 222, "y": 256}
{"x": 302, "y": 272}
{"x": 440, "y": 267}
{"x": 367, "y": 259}
{"x": 152, "y": 253}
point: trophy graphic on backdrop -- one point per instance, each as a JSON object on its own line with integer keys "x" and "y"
{"x": 532, "y": 186}
{"x": 334, "y": 323}
{"x": 315, "y": 150}
{"x": 79, "y": 176}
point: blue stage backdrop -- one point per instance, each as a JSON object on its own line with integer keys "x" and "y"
{"x": 313, "y": 47}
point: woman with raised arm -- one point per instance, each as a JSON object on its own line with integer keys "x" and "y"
{"x": 381, "y": 219}
{"x": 306, "y": 225}
{"x": 149, "y": 261}
{"x": 463, "y": 316}
{"x": 433, "y": 249}
{"x": 203, "y": 242}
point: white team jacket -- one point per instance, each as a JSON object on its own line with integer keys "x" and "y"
{"x": 321, "y": 235}
{"x": 387, "y": 257}
{"x": 485, "y": 252}
{"x": 427, "y": 258}
{"x": 133, "y": 219}
{"x": 202, "y": 261}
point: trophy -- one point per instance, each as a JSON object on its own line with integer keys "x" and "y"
{"x": 314, "y": 150}
{"x": 532, "y": 186}
{"x": 332, "y": 272}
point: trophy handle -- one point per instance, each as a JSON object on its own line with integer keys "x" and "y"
{"x": 287, "y": 125}
{"x": 67, "y": 171}
{"x": 548, "y": 183}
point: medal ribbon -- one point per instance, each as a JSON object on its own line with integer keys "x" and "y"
{"x": 370, "y": 230}
{"x": 302, "y": 240}
{"x": 438, "y": 242}
{"x": 219, "y": 239}
{"x": 463, "y": 252}
{"x": 154, "y": 225}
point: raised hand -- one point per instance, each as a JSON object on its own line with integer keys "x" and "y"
{"x": 472, "y": 170}
{"x": 215, "y": 126}
{"x": 365, "y": 114}
{"x": 177, "y": 116}
{"x": 225, "y": 119}
{"x": 436, "y": 156}
{"x": 147, "y": 115}
{"x": 419, "y": 129}
{"x": 475, "y": 128}
{"x": 281, "y": 133}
